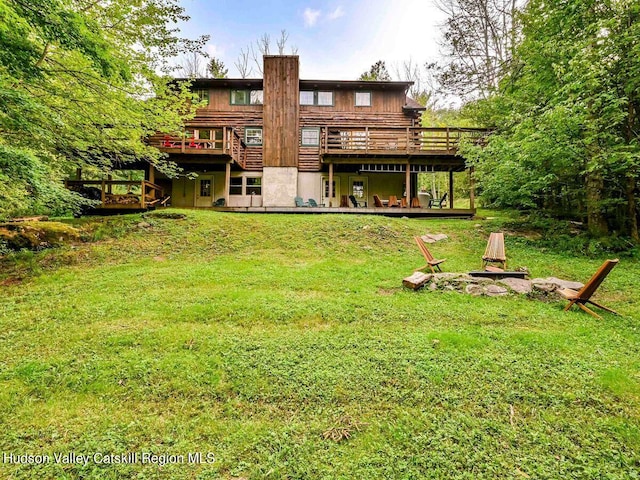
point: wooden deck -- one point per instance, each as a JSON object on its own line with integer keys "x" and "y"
{"x": 387, "y": 212}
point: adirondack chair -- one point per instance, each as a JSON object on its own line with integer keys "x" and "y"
{"x": 432, "y": 263}
{"x": 583, "y": 296}
{"x": 393, "y": 201}
{"x": 219, "y": 202}
{"x": 494, "y": 252}
{"x": 300, "y": 202}
{"x": 415, "y": 202}
{"x": 312, "y": 203}
{"x": 356, "y": 203}
{"x": 438, "y": 202}
{"x": 377, "y": 202}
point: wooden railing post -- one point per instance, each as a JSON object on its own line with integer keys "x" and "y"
{"x": 326, "y": 139}
{"x": 447, "y": 139}
{"x": 408, "y": 140}
{"x": 104, "y": 193}
{"x": 366, "y": 139}
{"x": 184, "y": 134}
{"x": 142, "y": 194}
{"x": 225, "y": 142}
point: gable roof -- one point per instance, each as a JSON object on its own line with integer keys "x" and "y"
{"x": 256, "y": 83}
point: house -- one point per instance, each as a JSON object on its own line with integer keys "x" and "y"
{"x": 264, "y": 142}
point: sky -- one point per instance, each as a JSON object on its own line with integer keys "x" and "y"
{"x": 336, "y": 39}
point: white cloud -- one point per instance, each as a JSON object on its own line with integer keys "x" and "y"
{"x": 214, "y": 50}
{"x": 337, "y": 13}
{"x": 310, "y": 17}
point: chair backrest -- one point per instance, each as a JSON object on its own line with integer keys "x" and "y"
{"x": 443, "y": 199}
{"x": 495, "y": 247}
{"x": 299, "y": 202}
{"x": 393, "y": 201}
{"x": 377, "y": 202}
{"x": 312, "y": 203}
{"x": 594, "y": 282}
{"x": 353, "y": 200}
{"x": 423, "y": 248}
{"x": 219, "y": 203}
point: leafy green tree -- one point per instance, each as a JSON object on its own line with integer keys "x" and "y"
{"x": 567, "y": 116}
{"x": 217, "y": 69}
{"x": 79, "y": 87}
{"x": 378, "y": 72}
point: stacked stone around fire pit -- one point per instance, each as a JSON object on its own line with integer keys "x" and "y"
{"x": 461, "y": 282}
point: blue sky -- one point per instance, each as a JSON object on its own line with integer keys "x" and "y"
{"x": 335, "y": 39}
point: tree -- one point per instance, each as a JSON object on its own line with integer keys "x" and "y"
{"x": 568, "y": 116}
{"x": 378, "y": 72}
{"x": 193, "y": 65}
{"x": 479, "y": 37}
{"x": 217, "y": 69}
{"x": 78, "y": 87}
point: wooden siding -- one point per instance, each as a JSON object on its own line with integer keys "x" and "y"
{"x": 248, "y": 116}
{"x": 316, "y": 117}
{"x": 387, "y": 101}
{"x": 281, "y": 92}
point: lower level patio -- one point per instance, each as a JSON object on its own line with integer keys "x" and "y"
{"x": 385, "y": 211}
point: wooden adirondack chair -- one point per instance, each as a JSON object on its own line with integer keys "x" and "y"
{"x": 584, "y": 295}
{"x": 432, "y": 263}
{"x": 494, "y": 252}
{"x": 393, "y": 201}
{"x": 377, "y": 202}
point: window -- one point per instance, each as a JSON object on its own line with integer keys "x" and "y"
{"x": 363, "y": 99}
{"x": 306, "y": 98}
{"x": 254, "y": 186}
{"x": 246, "y": 97}
{"x": 202, "y": 94}
{"x": 310, "y": 137}
{"x": 316, "y": 98}
{"x": 253, "y": 136}
{"x": 205, "y": 188}
{"x": 235, "y": 186}
{"x": 325, "y": 98}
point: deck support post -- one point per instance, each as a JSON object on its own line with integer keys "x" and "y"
{"x": 227, "y": 181}
{"x": 152, "y": 179}
{"x": 451, "y": 189}
{"x": 408, "y": 185}
{"x": 109, "y": 187}
{"x": 79, "y": 173}
{"x": 330, "y": 182}
{"x": 472, "y": 189}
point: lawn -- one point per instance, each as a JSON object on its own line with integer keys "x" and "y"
{"x": 286, "y": 347}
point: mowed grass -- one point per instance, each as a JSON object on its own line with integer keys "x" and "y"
{"x": 287, "y": 347}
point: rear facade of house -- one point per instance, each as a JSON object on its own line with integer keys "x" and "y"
{"x": 264, "y": 142}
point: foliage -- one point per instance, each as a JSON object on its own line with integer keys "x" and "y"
{"x": 378, "y": 72}
{"x": 479, "y": 37}
{"x": 567, "y": 117}
{"x": 255, "y": 336}
{"x": 217, "y": 69}
{"x": 78, "y": 87}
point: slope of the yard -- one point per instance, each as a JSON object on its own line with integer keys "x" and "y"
{"x": 286, "y": 347}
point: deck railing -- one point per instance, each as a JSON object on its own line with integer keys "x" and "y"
{"x": 205, "y": 140}
{"x": 119, "y": 193}
{"x": 402, "y": 140}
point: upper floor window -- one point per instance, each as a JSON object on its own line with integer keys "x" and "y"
{"x": 253, "y": 136}
{"x": 202, "y": 94}
{"x": 363, "y": 99}
{"x": 246, "y": 97}
{"x": 308, "y": 97}
{"x": 310, "y": 137}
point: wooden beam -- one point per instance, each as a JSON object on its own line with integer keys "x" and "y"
{"x": 330, "y": 182}
{"x": 408, "y": 184}
{"x": 450, "y": 188}
{"x": 152, "y": 179}
{"x": 472, "y": 189}
{"x": 227, "y": 181}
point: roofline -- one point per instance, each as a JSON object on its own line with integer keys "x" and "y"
{"x": 310, "y": 84}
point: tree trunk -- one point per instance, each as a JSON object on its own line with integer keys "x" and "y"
{"x": 596, "y": 223}
{"x": 631, "y": 209}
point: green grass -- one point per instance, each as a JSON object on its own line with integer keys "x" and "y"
{"x": 251, "y": 336}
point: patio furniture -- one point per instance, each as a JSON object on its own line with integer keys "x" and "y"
{"x": 438, "y": 202}
{"x": 432, "y": 263}
{"x": 219, "y": 202}
{"x": 356, "y": 203}
{"x": 393, "y": 201}
{"x": 312, "y": 203}
{"x": 583, "y": 296}
{"x": 377, "y": 202}
{"x": 494, "y": 253}
{"x": 415, "y": 202}
{"x": 300, "y": 202}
